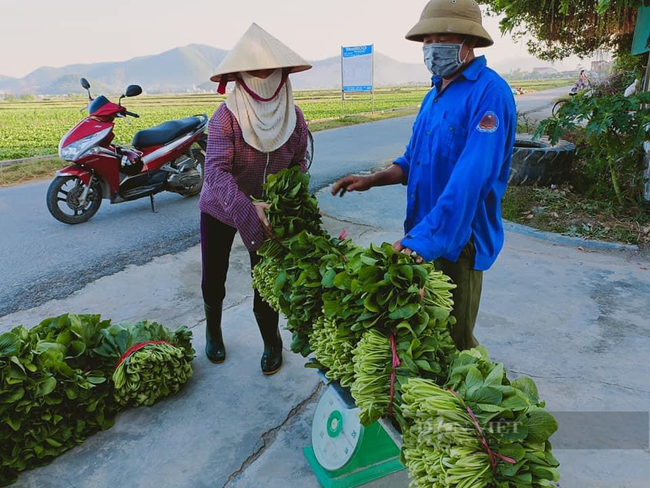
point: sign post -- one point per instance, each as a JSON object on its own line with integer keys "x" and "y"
{"x": 357, "y": 72}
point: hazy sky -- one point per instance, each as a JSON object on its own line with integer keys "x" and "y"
{"x": 38, "y": 33}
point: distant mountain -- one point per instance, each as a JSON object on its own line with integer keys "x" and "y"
{"x": 187, "y": 68}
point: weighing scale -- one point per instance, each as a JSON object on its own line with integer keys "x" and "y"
{"x": 344, "y": 453}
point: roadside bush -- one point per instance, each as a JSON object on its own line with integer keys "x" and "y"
{"x": 615, "y": 128}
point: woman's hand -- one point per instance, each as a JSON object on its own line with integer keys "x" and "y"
{"x": 398, "y": 247}
{"x": 260, "y": 209}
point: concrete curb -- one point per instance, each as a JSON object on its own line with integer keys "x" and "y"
{"x": 567, "y": 240}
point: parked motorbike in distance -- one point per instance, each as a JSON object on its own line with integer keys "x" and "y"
{"x": 167, "y": 157}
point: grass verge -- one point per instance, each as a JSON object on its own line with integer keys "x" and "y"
{"x": 40, "y": 169}
{"x": 318, "y": 125}
{"x": 20, "y": 173}
{"x": 561, "y": 210}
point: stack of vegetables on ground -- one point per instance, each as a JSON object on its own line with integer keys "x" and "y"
{"x": 58, "y": 383}
{"x": 479, "y": 430}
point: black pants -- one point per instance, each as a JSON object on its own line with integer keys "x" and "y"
{"x": 216, "y": 242}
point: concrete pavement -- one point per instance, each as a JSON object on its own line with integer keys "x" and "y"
{"x": 577, "y": 322}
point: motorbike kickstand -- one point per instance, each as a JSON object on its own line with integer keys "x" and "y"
{"x": 153, "y": 207}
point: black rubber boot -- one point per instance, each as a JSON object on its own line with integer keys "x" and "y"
{"x": 272, "y": 356}
{"x": 214, "y": 347}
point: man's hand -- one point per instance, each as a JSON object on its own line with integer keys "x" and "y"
{"x": 352, "y": 183}
{"x": 260, "y": 209}
{"x": 397, "y": 246}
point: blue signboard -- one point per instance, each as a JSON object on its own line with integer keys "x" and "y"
{"x": 357, "y": 68}
{"x": 349, "y": 52}
{"x": 358, "y": 88}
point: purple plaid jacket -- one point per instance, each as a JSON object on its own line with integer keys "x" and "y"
{"x": 235, "y": 171}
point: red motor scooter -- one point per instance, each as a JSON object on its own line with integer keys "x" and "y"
{"x": 169, "y": 156}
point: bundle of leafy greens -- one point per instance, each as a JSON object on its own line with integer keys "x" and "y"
{"x": 54, "y": 391}
{"x": 333, "y": 344}
{"x": 152, "y": 362}
{"x": 293, "y": 267}
{"x": 479, "y": 430}
{"x": 56, "y": 388}
{"x": 386, "y": 293}
{"x": 380, "y": 323}
{"x": 332, "y": 292}
{"x": 293, "y": 209}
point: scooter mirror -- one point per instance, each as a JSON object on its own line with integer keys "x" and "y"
{"x": 84, "y": 83}
{"x": 133, "y": 91}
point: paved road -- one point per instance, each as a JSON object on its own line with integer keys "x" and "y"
{"x": 535, "y": 102}
{"x": 43, "y": 259}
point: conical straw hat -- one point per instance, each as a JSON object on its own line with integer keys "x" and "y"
{"x": 257, "y": 49}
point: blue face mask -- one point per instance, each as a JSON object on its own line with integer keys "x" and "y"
{"x": 442, "y": 59}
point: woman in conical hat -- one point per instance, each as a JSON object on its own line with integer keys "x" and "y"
{"x": 256, "y": 132}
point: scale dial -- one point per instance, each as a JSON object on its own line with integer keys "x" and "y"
{"x": 335, "y": 432}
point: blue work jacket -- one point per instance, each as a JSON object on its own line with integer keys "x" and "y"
{"x": 456, "y": 166}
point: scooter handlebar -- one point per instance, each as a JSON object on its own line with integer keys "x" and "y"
{"x": 126, "y": 112}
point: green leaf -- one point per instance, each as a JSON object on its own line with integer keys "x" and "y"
{"x": 516, "y": 402}
{"x": 541, "y": 425}
{"x": 404, "y": 312}
{"x": 495, "y": 377}
{"x": 526, "y": 385}
{"x": 13, "y": 423}
{"x": 514, "y": 451}
{"x": 12, "y": 396}
{"x": 9, "y": 345}
{"x": 474, "y": 379}
{"x": 408, "y": 362}
{"x": 485, "y": 394}
{"x": 46, "y": 387}
{"x": 544, "y": 473}
{"x": 328, "y": 278}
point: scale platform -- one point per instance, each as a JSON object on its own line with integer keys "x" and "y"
{"x": 344, "y": 453}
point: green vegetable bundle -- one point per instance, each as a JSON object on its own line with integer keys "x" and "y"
{"x": 293, "y": 209}
{"x": 332, "y": 292}
{"x": 152, "y": 362}
{"x": 55, "y": 388}
{"x": 290, "y": 276}
{"x": 151, "y": 373}
{"x": 386, "y": 293}
{"x": 54, "y": 391}
{"x": 479, "y": 430}
{"x": 333, "y": 344}
{"x": 380, "y": 323}
{"x": 372, "y": 376}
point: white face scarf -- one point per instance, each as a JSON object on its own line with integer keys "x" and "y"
{"x": 265, "y": 125}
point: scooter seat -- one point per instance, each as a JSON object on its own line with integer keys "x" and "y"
{"x": 165, "y": 132}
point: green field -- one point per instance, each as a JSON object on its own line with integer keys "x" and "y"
{"x": 33, "y": 128}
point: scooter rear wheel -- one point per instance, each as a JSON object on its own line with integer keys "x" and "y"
{"x": 63, "y": 199}
{"x": 199, "y": 157}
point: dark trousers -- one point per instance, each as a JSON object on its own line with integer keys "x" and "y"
{"x": 467, "y": 295}
{"x": 216, "y": 242}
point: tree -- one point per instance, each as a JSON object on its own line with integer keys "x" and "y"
{"x": 560, "y": 28}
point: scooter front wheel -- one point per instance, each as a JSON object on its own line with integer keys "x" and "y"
{"x": 64, "y": 199}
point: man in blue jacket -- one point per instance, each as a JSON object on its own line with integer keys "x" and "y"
{"x": 457, "y": 162}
